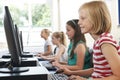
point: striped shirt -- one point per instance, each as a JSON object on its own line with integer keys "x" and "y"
{"x": 101, "y": 65}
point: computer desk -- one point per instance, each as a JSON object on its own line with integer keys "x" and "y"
{"x": 36, "y": 72}
{"x": 24, "y": 63}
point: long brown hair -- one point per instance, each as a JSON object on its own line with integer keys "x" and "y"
{"x": 77, "y": 36}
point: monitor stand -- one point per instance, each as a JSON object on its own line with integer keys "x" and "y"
{"x": 26, "y": 52}
{"x": 23, "y": 55}
{"x": 8, "y": 68}
{"x": 34, "y": 73}
{"x": 14, "y": 70}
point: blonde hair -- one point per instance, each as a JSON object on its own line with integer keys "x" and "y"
{"x": 60, "y": 35}
{"x": 47, "y": 32}
{"x": 99, "y": 16}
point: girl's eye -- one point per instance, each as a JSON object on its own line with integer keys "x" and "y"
{"x": 82, "y": 18}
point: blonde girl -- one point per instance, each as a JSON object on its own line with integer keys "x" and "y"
{"x": 45, "y": 33}
{"x": 59, "y": 55}
{"x": 94, "y": 18}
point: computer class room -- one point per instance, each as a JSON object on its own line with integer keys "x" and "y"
{"x": 60, "y": 40}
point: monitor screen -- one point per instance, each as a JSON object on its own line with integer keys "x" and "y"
{"x": 11, "y": 38}
{"x": 22, "y": 46}
{"x": 21, "y": 40}
{"x": 20, "y": 43}
{"x": 13, "y": 46}
{"x": 18, "y": 40}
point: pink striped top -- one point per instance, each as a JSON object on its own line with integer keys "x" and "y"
{"x": 101, "y": 65}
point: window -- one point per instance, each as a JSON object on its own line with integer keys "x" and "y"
{"x": 30, "y": 17}
{"x": 37, "y": 14}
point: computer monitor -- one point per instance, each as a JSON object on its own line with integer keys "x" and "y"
{"x": 18, "y": 35}
{"x": 18, "y": 40}
{"x": 15, "y": 62}
{"x": 21, "y": 42}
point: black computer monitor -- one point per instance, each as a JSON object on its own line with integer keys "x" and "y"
{"x": 22, "y": 53}
{"x": 15, "y": 62}
{"x": 21, "y": 42}
{"x": 18, "y": 40}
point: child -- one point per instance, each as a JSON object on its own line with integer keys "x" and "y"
{"x": 48, "y": 45}
{"x": 58, "y": 39}
{"x": 94, "y": 18}
{"x": 77, "y": 50}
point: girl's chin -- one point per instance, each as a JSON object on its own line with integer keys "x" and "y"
{"x": 84, "y": 32}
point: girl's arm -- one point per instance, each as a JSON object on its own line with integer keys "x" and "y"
{"x": 111, "y": 54}
{"x": 80, "y": 51}
{"x": 85, "y": 73}
{"x": 48, "y": 57}
{"x": 113, "y": 59}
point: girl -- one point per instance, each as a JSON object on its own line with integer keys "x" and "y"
{"x": 48, "y": 45}
{"x": 77, "y": 49}
{"x": 94, "y": 18}
{"x": 58, "y": 39}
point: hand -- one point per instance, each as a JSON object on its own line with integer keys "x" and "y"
{"x": 57, "y": 64}
{"x": 52, "y": 60}
{"x": 73, "y": 77}
{"x": 67, "y": 71}
{"x": 39, "y": 54}
{"x": 44, "y": 57}
{"x": 59, "y": 71}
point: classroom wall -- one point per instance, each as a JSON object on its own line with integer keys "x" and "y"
{"x": 64, "y": 10}
{"x": 69, "y": 10}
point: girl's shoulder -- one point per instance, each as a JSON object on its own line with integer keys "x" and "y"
{"x": 48, "y": 42}
{"x": 80, "y": 42}
{"x": 62, "y": 46}
{"x": 81, "y": 45}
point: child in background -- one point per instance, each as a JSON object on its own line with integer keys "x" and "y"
{"x": 77, "y": 50}
{"x": 94, "y": 18}
{"x": 48, "y": 45}
{"x": 58, "y": 39}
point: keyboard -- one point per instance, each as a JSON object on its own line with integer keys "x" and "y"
{"x": 57, "y": 77}
{"x": 49, "y": 66}
{"x": 40, "y": 59}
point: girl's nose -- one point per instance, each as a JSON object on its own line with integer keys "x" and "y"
{"x": 79, "y": 22}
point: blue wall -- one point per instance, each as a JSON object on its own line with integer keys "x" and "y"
{"x": 119, "y": 10}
